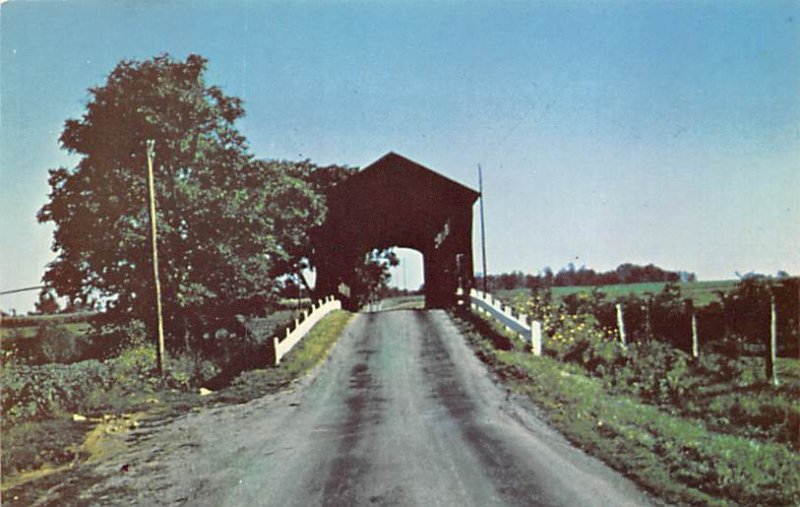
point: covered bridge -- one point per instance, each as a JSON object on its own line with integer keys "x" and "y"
{"x": 395, "y": 202}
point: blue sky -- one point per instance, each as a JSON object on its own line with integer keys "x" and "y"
{"x": 609, "y": 132}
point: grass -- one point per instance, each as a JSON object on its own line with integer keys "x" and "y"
{"x": 749, "y": 406}
{"x": 53, "y": 317}
{"x": 32, "y": 445}
{"x": 40, "y": 454}
{"x": 788, "y": 369}
{"x": 404, "y": 303}
{"x": 309, "y": 353}
{"x": 678, "y": 459}
{"x": 702, "y": 293}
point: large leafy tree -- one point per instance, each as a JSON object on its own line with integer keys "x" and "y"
{"x": 321, "y": 180}
{"x": 229, "y": 225}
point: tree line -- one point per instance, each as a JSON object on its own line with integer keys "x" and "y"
{"x": 569, "y": 276}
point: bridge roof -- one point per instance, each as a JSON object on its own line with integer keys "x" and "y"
{"x": 393, "y": 170}
{"x": 393, "y": 202}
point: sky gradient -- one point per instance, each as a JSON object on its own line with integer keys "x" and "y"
{"x": 609, "y": 132}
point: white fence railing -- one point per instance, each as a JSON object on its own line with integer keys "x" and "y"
{"x": 528, "y": 329}
{"x": 302, "y": 326}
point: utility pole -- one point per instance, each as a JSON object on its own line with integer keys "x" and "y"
{"x": 405, "y": 277}
{"x": 151, "y": 193}
{"x": 483, "y": 233}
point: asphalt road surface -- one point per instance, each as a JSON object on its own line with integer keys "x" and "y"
{"x": 402, "y": 414}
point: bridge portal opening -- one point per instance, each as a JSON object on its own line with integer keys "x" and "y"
{"x": 397, "y": 202}
{"x": 409, "y": 275}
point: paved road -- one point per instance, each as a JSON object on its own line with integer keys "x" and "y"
{"x": 402, "y": 414}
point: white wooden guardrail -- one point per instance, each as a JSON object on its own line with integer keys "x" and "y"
{"x": 303, "y": 326}
{"x": 528, "y": 329}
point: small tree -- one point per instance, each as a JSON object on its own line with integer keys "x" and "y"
{"x": 47, "y": 303}
{"x": 372, "y": 277}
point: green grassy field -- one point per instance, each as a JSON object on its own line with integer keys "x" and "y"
{"x": 701, "y": 293}
{"x": 76, "y": 328}
{"x": 404, "y": 303}
{"x": 259, "y": 325}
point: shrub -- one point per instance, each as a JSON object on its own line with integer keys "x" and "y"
{"x": 36, "y": 392}
{"x": 662, "y": 373}
{"x": 722, "y": 389}
{"x": 31, "y": 392}
{"x": 722, "y": 368}
{"x": 58, "y": 345}
{"x": 185, "y": 371}
{"x": 566, "y": 336}
{"x": 604, "y": 358}
{"x": 136, "y": 366}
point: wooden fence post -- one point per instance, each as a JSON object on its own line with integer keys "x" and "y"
{"x": 772, "y": 352}
{"x": 689, "y": 303}
{"x": 536, "y": 337}
{"x": 621, "y": 325}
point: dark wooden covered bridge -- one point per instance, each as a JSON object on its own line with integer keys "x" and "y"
{"x": 395, "y": 202}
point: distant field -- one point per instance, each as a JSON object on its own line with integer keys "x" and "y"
{"x": 76, "y": 328}
{"x": 75, "y": 325}
{"x": 265, "y": 327}
{"x": 701, "y": 293}
{"x": 404, "y": 303}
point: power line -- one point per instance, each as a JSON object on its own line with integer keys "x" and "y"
{"x": 26, "y": 289}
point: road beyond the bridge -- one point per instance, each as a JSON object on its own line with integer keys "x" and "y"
{"x": 403, "y": 413}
